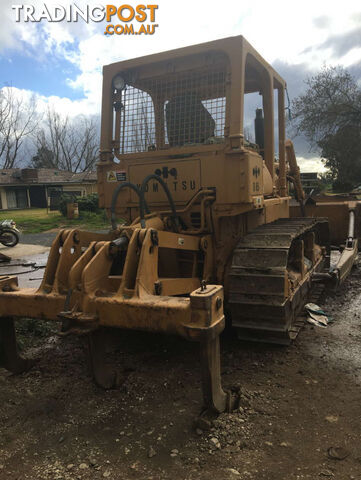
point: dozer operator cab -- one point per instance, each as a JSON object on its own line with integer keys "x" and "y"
{"x": 180, "y": 115}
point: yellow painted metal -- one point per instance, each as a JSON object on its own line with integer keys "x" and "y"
{"x": 162, "y": 273}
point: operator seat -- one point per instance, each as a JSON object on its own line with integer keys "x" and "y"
{"x": 188, "y": 120}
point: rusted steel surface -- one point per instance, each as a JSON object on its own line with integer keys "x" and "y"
{"x": 206, "y": 214}
{"x": 267, "y": 294}
{"x": 90, "y": 298}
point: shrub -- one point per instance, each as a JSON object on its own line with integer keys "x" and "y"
{"x": 342, "y": 187}
{"x": 64, "y": 199}
{"x": 88, "y": 203}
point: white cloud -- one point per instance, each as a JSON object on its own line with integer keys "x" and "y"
{"x": 311, "y": 164}
{"x": 269, "y": 26}
{"x": 63, "y": 105}
{"x": 352, "y": 57}
{"x": 275, "y": 29}
{"x": 12, "y": 34}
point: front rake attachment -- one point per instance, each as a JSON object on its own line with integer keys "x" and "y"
{"x": 94, "y": 281}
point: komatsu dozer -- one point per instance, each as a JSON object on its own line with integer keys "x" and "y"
{"x": 200, "y": 217}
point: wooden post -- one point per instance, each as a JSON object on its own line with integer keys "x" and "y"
{"x": 47, "y": 198}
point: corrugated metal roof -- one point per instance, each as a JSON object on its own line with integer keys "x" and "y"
{"x": 18, "y": 176}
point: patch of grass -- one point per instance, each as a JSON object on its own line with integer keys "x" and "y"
{"x": 37, "y": 220}
{"x": 91, "y": 221}
{"x": 25, "y": 213}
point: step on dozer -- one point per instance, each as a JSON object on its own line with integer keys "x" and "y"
{"x": 200, "y": 217}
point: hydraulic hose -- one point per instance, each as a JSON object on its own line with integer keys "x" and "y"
{"x": 153, "y": 176}
{"x": 142, "y": 203}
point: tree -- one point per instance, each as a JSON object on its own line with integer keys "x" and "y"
{"x": 328, "y": 114}
{"x": 342, "y": 156}
{"x": 79, "y": 144}
{"x": 67, "y": 144}
{"x": 44, "y": 158}
{"x": 18, "y": 119}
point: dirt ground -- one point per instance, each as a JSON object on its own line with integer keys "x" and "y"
{"x": 297, "y": 402}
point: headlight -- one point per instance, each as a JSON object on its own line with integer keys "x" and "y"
{"x": 118, "y": 82}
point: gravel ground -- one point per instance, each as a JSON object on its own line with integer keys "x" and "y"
{"x": 45, "y": 238}
{"x": 300, "y": 406}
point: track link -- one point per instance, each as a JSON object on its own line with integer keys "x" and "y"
{"x": 270, "y": 277}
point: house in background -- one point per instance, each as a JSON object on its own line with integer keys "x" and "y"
{"x": 310, "y": 182}
{"x": 34, "y": 188}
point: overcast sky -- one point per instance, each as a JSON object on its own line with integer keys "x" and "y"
{"x": 61, "y": 62}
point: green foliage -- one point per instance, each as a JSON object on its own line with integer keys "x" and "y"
{"x": 64, "y": 199}
{"x": 342, "y": 187}
{"x": 325, "y": 181}
{"x": 331, "y": 102}
{"x": 44, "y": 158}
{"x": 328, "y": 114}
{"x": 38, "y": 220}
{"x": 342, "y": 156}
{"x": 88, "y": 203}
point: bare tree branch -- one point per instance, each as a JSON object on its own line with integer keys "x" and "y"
{"x": 18, "y": 120}
{"x": 331, "y": 102}
{"x": 73, "y": 143}
{"x": 329, "y": 115}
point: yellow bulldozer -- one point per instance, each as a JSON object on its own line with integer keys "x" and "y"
{"x": 202, "y": 226}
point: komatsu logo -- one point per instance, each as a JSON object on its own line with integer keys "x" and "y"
{"x": 165, "y": 172}
{"x": 181, "y": 177}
